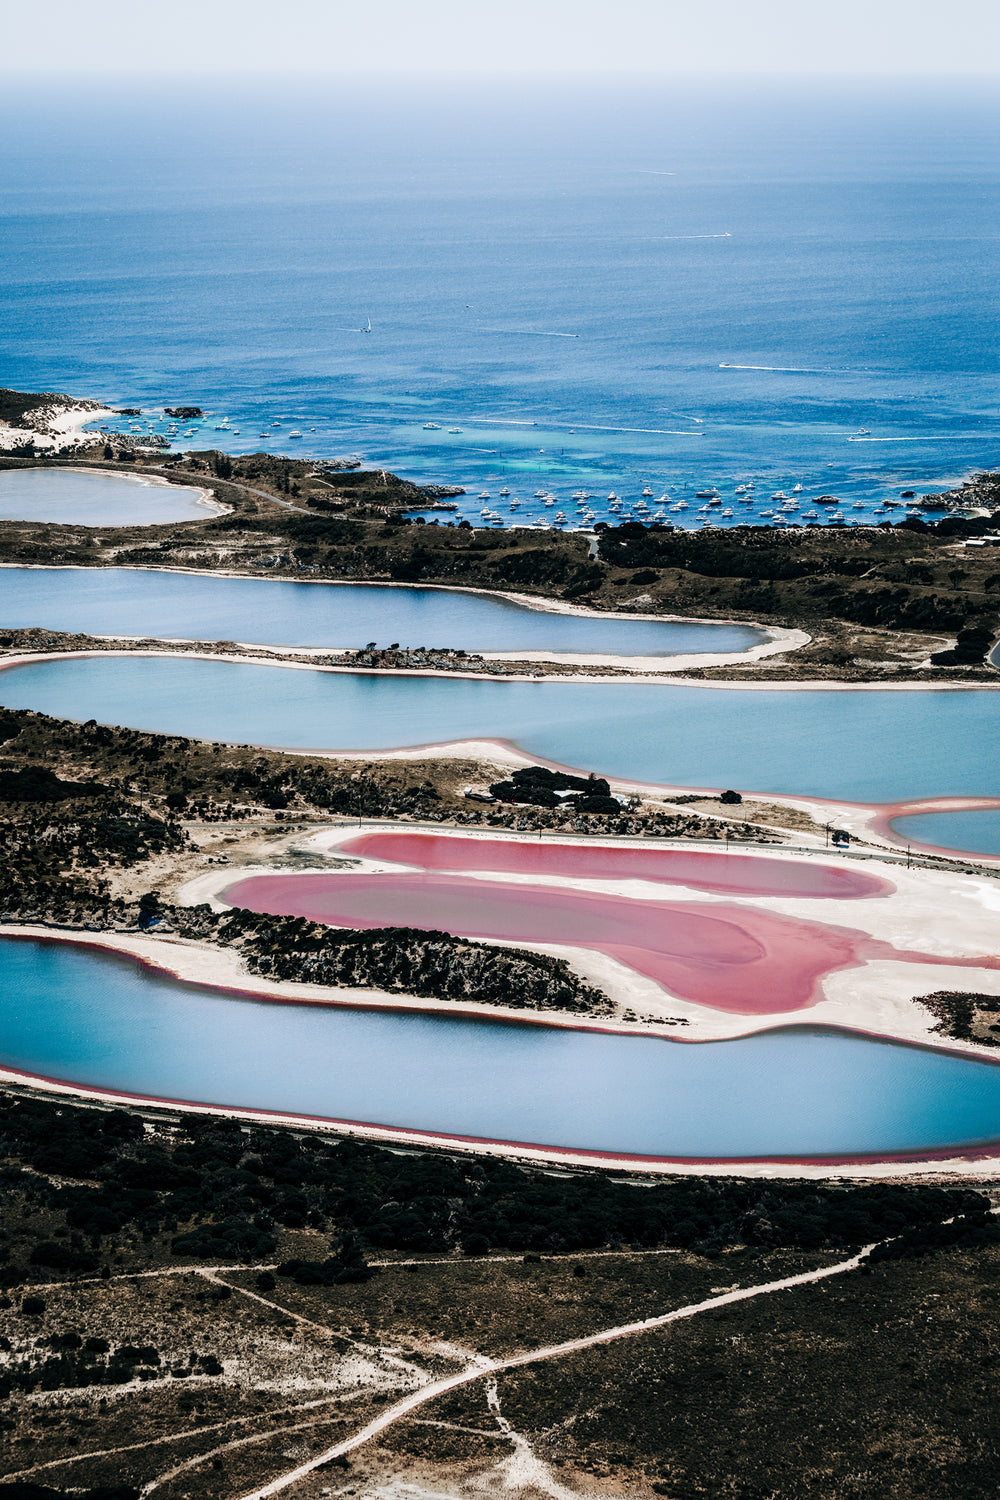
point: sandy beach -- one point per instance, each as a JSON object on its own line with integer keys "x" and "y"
{"x": 56, "y": 427}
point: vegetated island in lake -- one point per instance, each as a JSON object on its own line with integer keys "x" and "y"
{"x": 919, "y": 599}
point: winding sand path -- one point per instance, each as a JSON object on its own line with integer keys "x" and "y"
{"x": 491, "y": 1368}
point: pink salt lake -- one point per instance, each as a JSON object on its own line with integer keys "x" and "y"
{"x": 732, "y": 958}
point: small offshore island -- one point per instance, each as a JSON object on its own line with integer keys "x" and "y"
{"x": 202, "y": 1300}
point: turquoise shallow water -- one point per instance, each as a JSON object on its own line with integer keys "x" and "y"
{"x": 92, "y": 1019}
{"x": 120, "y": 601}
{"x": 80, "y": 499}
{"x": 975, "y": 832}
{"x": 863, "y": 746}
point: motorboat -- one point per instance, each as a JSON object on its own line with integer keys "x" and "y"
{"x": 432, "y": 426}
{"x": 706, "y": 494}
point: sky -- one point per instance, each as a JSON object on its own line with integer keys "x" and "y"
{"x": 940, "y": 38}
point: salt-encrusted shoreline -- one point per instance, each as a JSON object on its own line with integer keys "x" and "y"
{"x": 637, "y": 678}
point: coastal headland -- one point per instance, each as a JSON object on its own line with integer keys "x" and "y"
{"x": 200, "y": 1301}
{"x": 919, "y": 599}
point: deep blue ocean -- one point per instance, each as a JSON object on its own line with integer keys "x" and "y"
{"x": 606, "y": 287}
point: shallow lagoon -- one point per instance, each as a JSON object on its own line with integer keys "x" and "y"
{"x": 99, "y": 1020}
{"x": 77, "y": 497}
{"x": 976, "y": 831}
{"x": 855, "y": 745}
{"x": 176, "y": 606}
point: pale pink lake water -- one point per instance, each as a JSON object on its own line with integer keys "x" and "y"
{"x": 734, "y": 874}
{"x": 732, "y": 958}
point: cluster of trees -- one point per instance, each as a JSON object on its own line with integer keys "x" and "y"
{"x": 417, "y": 961}
{"x": 67, "y": 1361}
{"x": 222, "y": 1190}
{"x": 37, "y": 849}
{"x": 75, "y": 1364}
{"x": 537, "y": 786}
{"x": 887, "y": 585}
{"x": 33, "y": 783}
{"x": 970, "y": 1017}
{"x": 972, "y": 1231}
{"x": 971, "y": 647}
{"x": 346, "y": 1264}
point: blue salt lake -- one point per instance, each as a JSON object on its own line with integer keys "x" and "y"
{"x": 977, "y": 831}
{"x": 102, "y": 1021}
{"x": 133, "y": 602}
{"x": 75, "y": 497}
{"x": 855, "y": 745}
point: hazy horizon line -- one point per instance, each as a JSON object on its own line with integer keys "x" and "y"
{"x": 127, "y": 73}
